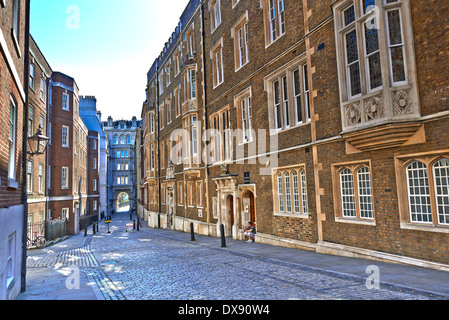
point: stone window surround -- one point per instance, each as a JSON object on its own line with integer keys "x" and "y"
{"x": 401, "y": 163}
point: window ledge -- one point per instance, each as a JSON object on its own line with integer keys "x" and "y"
{"x": 291, "y": 215}
{"x": 356, "y": 221}
{"x": 424, "y": 227}
{"x": 12, "y": 184}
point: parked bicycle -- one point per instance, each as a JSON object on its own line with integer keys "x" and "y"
{"x": 38, "y": 242}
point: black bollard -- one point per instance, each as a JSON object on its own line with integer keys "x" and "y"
{"x": 85, "y": 232}
{"x": 134, "y": 224}
{"x": 97, "y": 227}
{"x": 192, "y": 233}
{"x": 93, "y": 228}
{"x": 223, "y": 239}
{"x": 138, "y": 224}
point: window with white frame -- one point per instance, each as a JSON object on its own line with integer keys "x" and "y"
{"x": 65, "y": 214}
{"x": 366, "y": 30}
{"x": 30, "y": 169}
{"x": 65, "y": 137}
{"x": 291, "y": 191}
{"x": 94, "y": 184}
{"x": 10, "y": 259}
{"x": 42, "y": 90}
{"x": 65, "y": 178}
{"x": 32, "y": 75}
{"x": 274, "y": 20}
{"x": 217, "y": 64}
{"x": 288, "y": 96}
{"x": 41, "y": 179}
{"x": 65, "y": 101}
{"x": 215, "y": 13}
{"x": 353, "y": 195}
{"x": 243, "y": 103}
{"x": 241, "y": 48}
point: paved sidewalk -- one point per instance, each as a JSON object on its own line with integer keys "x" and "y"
{"x": 53, "y": 274}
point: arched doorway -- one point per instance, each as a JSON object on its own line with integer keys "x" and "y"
{"x": 248, "y": 208}
{"x": 229, "y": 219}
{"x": 122, "y": 203}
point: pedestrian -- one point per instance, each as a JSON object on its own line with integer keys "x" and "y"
{"x": 250, "y": 232}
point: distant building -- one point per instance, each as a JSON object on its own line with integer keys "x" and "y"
{"x": 98, "y": 145}
{"x": 121, "y": 167}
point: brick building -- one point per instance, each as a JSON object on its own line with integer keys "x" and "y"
{"x": 14, "y": 30}
{"x": 37, "y": 166}
{"x": 323, "y": 122}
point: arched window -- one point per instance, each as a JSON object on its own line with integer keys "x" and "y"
{"x": 122, "y": 139}
{"x": 115, "y": 139}
{"x": 281, "y": 192}
{"x": 296, "y": 192}
{"x": 305, "y": 209}
{"x": 365, "y": 193}
{"x": 288, "y": 192}
{"x": 347, "y": 193}
{"x": 441, "y": 178}
{"x": 418, "y": 192}
{"x": 128, "y": 139}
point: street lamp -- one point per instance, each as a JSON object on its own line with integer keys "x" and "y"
{"x": 37, "y": 143}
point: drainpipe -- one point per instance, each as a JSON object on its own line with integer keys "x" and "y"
{"x": 206, "y": 117}
{"x": 24, "y": 146}
{"x": 158, "y": 146}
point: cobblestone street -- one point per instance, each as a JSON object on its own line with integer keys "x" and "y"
{"x": 155, "y": 264}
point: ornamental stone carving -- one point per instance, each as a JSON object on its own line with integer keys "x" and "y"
{"x": 402, "y": 103}
{"x": 353, "y": 114}
{"x": 374, "y": 108}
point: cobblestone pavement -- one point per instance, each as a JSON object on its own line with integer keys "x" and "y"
{"x": 157, "y": 265}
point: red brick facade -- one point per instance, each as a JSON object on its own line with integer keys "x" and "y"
{"x": 347, "y": 169}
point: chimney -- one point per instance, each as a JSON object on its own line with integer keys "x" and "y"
{"x": 110, "y": 121}
{"x": 134, "y": 121}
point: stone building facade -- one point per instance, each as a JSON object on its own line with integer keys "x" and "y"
{"x": 323, "y": 122}
{"x": 121, "y": 135}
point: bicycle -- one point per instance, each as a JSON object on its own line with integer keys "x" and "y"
{"x": 38, "y": 242}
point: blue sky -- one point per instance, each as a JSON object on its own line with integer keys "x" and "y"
{"x": 111, "y": 49}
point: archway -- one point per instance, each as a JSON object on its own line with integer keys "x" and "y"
{"x": 248, "y": 207}
{"x": 229, "y": 219}
{"x": 123, "y": 203}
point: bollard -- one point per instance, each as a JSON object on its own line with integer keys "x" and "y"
{"x": 97, "y": 227}
{"x": 223, "y": 239}
{"x": 93, "y": 228}
{"x": 138, "y": 224}
{"x": 134, "y": 225}
{"x": 192, "y": 233}
{"x": 85, "y": 232}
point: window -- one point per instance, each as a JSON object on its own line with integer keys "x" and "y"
{"x": 288, "y": 92}
{"x": 361, "y": 42}
{"x": 194, "y": 134}
{"x": 199, "y": 194}
{"x": 222, "y": 135}
{"x": 65, "y": 214}
{"x": 65, "y": 136}
{"x": 32, "y": 75}
{"x": 274, "y": 20}
{"x": 291, "y": 197}
{"x": 16, "y": 19}
{"x": 240, "y": 35}
{"x": 180, "y": 193}
{"x": 244, "y": 111}
{"x": 65, "y": 102}
{"x": 42, "y": 90}
{"x": 65, "y": 178}
{"x": 49, "y": 177}
{"x": 12, "y": 139}
{"x": 94, "y": 163}
{"x": 215, "y": 14}
{"x": 190, "y": 194}
{"x": 151, "y": 157}
{"x": 41, "y": 179}
{"x": 189, "y": 85}
{"x": 169, "y": 111}
{"x": 190, "y": 38}
{"x": 30, "y": 176}
{"x": 94, "y": 144}
{"x": 151, "y": 123}
{"x": 128, "y": 139}
{"x": 178, "y": 102}
{"x": 177, "y": 62}
{"x": 353, "y": 195}
{"x": 10, "y": 258}
{"x": 217, "y": 64}
{"x": 115, "y": 139}
{"x": 95, "y": 205}
{"x": 31, "y": 131}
